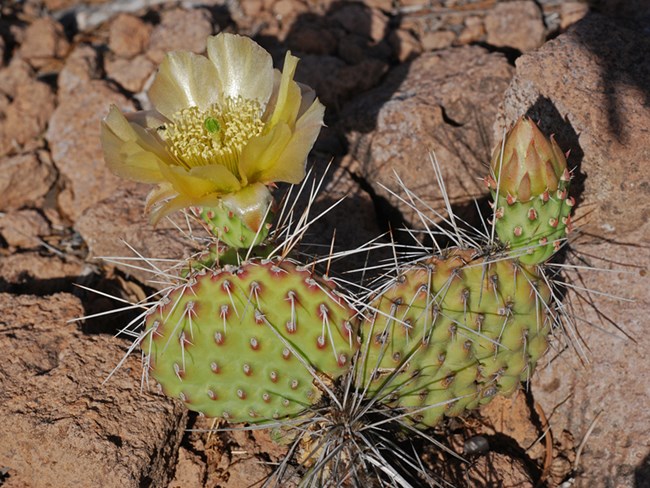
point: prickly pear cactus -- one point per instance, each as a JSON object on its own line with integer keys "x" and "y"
{"x": 529, "y": 181}
{"x": 453, "y": 331}
{"x": 246, "y": 343}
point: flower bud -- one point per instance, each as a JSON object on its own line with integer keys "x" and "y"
{"x": 527, "y": 164}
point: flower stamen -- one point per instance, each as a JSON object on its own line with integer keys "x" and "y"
{"x": 216, "y": 135}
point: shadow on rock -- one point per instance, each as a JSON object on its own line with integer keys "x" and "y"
{"x": 622, "y": 64}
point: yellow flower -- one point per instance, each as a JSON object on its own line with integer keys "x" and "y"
{"x": 224, "y": 126}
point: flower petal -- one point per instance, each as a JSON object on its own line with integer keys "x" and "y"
{"x": 263, "y": 153}
{"x": 184, "y": 80}
{"x": 186, "y": 184}
{"x": 176, "y": 203}
{"x": 243, "y": 67}
{"x": 128, "y": 151}
{"x": 290, "y": 167}
{"x": 224, "y": 180}
{"x": 288, "y": 95}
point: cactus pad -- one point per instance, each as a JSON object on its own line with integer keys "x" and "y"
{"x": 245, "y": 343}
{"x": 535, "y": 229}
{"x": 453, "y": 331}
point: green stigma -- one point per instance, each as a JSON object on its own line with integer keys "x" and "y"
{"x": 212, "y": 125}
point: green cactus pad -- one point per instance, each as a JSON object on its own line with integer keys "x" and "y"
{"x": 534, "y": 230}
{"x": 230, "y": 229}
{"x": 451, "y": 332}
{"x": 239, "y": 343}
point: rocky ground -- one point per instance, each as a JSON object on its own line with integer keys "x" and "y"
{"x": 400, "y": 78}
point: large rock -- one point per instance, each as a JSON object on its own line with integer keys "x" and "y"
{"x": 60, "y": 425}
{"x": 73, "y": 135}
{"x": 590, "y": 87}
{"x": 443, "y": 102}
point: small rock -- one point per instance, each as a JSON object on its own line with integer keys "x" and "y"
{"x": 73, "y": 135}
{"x": 60, "y": 425}
{"x": 44, "y": 40}
{"x": 572, "y": 12}
{"x": 405, "y": 46}
{"x": 473, "y": 31}
{"x": 131, "y": 74}
{"x": 23, "y": 228}
{"x": 252, "y": 8}
{"x": 180, "y": 30}
{"x": 128, "y": 35}
{"x": 357, "y": 18}
{"x": 517, "y": 25}
{"x": 26, "y": 117}
{"x": 285, "y": 8}
{"x": 80, "y": 67}
{"x": 432, "y": 41}
{"x": 16, "y": 74}
{"x": 24, "y": 180}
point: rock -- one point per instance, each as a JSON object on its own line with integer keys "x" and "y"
{"x": 443, "y": 102}
{"x": 190, "y": 470}
{"x": 25, "y": 117}
{"x": 128, "y": 35}
{"x": 44, "y": 40}
{"x": 73, "y": 136}
{"x": 61, "y": 426}
{"x": 109, "y": 225}
{"x": 16, "y": 74}
{"x": 23, "y": 228}
{"x": 432, "y": 41}
{"x": 517, "y": 25}
{"x": 572, "y": 12}
{"x": 405, "y": 46}
{"x": 24, "y": 180}
{"x": 473, "y": 31}
{"x": 590, "y": 87}
{"x": 41, "y": 274}
{"x": 359, "y": 19}
{"x": 81, "y": 66}
{"x": 131, "y": 74}
{"x": 180, "y": 30}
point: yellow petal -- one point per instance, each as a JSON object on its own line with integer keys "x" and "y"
{"x": 243, "y": 67}
{"x": 168, "y": 207}
{"x": 184, "y": 80}
{"x": 288, "y": 96}
{"x": 224, "y": 180}
{"x": 186, "y": 184}
{"x": 263, "y": 153}
{"x": 290, "y": 165}
{"x": 127, "y": 153}
{"x": 162, "y": 192}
